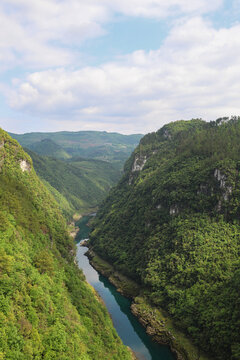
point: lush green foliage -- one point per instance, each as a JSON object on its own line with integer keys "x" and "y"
{"x": 112, "y": 147}
{"x": 173, "y": 224}
{"x": 47, "y": 147}
{"x": 78, "y": 184}
{"x": 47, "y": 310}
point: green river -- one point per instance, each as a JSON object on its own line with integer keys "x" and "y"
{"x": 132, "y": 333}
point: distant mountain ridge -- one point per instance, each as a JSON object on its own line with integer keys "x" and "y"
{"x": 78, "y": 184}
{"x": 101, "y": 145}
{"x": 48, "y": 147}
{"x": 79, "y": 168}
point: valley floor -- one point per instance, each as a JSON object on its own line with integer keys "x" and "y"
{"x": 156, "y": 321}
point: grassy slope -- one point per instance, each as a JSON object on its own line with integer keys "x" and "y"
{"x": 77, "y": 185}
{"x": 105, "y": 146}
{"x": 47, "y": 310}
{"x": 174, "y": 226}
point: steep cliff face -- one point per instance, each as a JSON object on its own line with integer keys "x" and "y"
{"x": 47, "y": 310}
{"x": 172, "y": 223}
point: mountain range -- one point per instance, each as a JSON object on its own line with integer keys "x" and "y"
{"x": 99, "y": 145}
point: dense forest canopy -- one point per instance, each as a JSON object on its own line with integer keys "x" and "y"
{"x": 47, "y": 310}
{"x": 172, "y": 223}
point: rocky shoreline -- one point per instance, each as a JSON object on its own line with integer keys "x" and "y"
{"x": 131, "y": 290}
{"x": 158, "y": 331}
{"x": 156, "y": 322}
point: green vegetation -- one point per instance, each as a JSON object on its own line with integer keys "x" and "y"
{"x": 172, "y": 224}
{"x": 48, "y": 147}
{"x": 126, "y": 286}
{"x": 163, "y": 330}
{"x": 78, "y": 168}
{"x": 78, "y": 184}
{"x": 100, "y": 145}
{"x": 47, "y": 310}
{"x": 157, "y": 322}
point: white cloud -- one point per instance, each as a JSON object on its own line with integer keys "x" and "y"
{"x": 40, "y": 33}
{"x": 49, "y": 33}
{"x": 20, "y": 45}
{"x": 195, "y": 73}
{"x": 163, "y": 8}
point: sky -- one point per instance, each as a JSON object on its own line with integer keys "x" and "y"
{"x": 127, "y": 66}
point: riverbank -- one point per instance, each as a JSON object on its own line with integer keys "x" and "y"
{"x": 155, "y": 320}
{"x": 74, "y": 231}
{"x": 130, "y": 330}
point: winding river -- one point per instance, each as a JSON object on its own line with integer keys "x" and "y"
{"x": 129, "y": 329}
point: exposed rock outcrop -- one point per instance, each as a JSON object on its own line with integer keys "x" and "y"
{"x": 227, "y": 189}
{"x": 158, "y": 330}
{"x": 174, "y": 210}
{"x": 167, "y": 134}
{"x": 220, "y": 177}
{"x": 139, "y": 162}
{"x": 25, "y": 166}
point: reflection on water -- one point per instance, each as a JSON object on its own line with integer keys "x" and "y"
{"x": 83, "y": 228}
{"x": 129, "y": 329}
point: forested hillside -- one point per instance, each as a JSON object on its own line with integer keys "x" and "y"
{"x": 79, "y": 168}
{"x": 48, "y": 147}
{"x": 100, "y": 145}
{"x": 78, "y": 185}
{"x": 47, "y": 310}
{"x": 172, "y": 223}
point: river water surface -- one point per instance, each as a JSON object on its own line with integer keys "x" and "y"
{"x": 132, "y": 333}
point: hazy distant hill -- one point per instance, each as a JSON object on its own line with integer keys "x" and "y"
{"x": 112, "y": 147}
{"x": 50, "y": 148}
{"x": 78, "y": 184}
